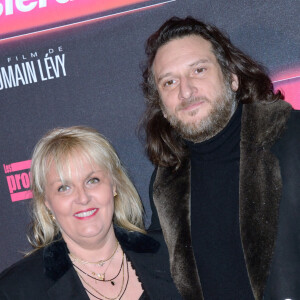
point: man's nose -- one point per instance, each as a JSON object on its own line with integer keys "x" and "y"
{"x": 187, "y": 88}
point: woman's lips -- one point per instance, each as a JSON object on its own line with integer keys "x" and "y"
{"x": 86, "y": 214}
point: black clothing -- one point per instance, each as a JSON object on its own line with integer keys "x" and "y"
{"x": 269, "y": 206}
{"x": 215, "y": 214}
{"x": 48, "y": 273}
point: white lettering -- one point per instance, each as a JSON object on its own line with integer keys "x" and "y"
{"x": 60, "y": 61}
{"x": 25, "y": 8}
{"x": 48, "y": 68}
{"x": 42, "y": 3}
{"x": 41, "y": 70}
{"x": 1, "y": 83}
{"x": 19, "y": 75}
{"x": 25, "y": 73}
{"x": 28, "y": 72}
{"x": 9, "y": 7}
{"x": 15, "y": 75}
{"x": 9, "y": 80}
{"x": 22, "y": 6}
{"x": 33, "y": 54}
{"x": 31, "y": 71}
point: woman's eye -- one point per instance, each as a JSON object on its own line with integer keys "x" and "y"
{"x": 93, "y": 180}
{"x": 63, "y": 188}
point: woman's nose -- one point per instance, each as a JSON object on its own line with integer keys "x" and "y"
{"x": 82, "y": 196}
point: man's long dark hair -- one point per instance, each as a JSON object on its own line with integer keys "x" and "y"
{"x": 164, "y": 146}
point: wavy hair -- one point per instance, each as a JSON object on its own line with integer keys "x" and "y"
{"x": 163, "y": 145}
{"x": 63, "y": 146}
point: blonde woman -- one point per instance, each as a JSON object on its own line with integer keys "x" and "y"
{"x": 87, "y": 231}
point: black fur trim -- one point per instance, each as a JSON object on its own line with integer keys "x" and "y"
{"x": 136, "y": 241}
{"x": 260, "y": 187}
{"x": 56, "y": 259}
{"x": 171, "y": 195}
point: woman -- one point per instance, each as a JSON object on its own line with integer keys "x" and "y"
{"x": 87, "y": 231}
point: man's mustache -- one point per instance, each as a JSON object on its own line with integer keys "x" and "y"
{"x": 186, "y": 103}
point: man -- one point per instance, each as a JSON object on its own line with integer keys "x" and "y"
{"x": 226, "y": 186}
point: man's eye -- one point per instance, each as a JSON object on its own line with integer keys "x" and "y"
{"x": 169, "y": 82}
{"x": 63, "y": 188}
{"x": 93, "y": 180}
{"x": 199, "y": 70}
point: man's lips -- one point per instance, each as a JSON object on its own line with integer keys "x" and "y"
{"x": 86, "y": 214}
{"x": 192, "y": 104}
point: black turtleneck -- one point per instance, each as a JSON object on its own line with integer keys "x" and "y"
{"x": 215, "y": 214}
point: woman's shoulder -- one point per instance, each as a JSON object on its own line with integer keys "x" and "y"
{"x": 25, "y": 269}
{"x": 136, "y": 241}
{"x": 33, "y": 275}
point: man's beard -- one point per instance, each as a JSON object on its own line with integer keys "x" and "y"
{"x": 207, "y": 127}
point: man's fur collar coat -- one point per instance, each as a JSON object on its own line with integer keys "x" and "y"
{"x": 260, "y": 194}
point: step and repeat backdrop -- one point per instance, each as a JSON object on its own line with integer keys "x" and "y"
{"x": 78, "y": 62}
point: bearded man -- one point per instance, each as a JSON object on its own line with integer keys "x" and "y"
{"x": 225, "y": 190}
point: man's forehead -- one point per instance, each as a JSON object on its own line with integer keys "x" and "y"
{"x": 188, "y": 50}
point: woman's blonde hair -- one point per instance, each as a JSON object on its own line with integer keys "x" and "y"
{"x": 61, "y": 146}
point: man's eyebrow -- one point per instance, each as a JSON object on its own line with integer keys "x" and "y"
{"x": 193, "y": 64}
{"x": 160, "y": 78}
{"x": 200, "y": 61}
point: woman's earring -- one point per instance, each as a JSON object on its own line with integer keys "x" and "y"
{"x": 51, "y": 215}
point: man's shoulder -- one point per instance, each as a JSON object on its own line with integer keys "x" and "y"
{"x": 294, "y": 119}
{"x": 292, "y": 127}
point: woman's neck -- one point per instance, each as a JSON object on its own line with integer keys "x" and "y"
{"x": 92, "y": 249}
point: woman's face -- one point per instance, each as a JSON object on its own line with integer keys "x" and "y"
{"x": 83, "y": 204}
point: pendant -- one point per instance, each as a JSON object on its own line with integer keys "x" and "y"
{"x": 99, "y": 275}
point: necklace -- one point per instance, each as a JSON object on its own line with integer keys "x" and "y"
{"x": 101, "y": 276}
{"x": 102, "y": 279}
{"x": 124, "y": 289}
{"x": 99, "y": 262}
{"x": 120, "y": 293}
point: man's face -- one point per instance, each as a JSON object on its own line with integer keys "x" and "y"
{"x": 195, "y": 98}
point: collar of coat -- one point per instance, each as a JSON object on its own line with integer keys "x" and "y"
{"x": 260, "y": 193}
{"x": 57, "y": 261}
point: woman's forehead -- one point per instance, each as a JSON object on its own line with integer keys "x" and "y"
{"x": 71, "y": 165}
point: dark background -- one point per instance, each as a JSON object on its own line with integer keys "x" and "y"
{"x": 102, "y": 86}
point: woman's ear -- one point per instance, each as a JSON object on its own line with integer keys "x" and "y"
{"x": 115, "y": 190}
{"x": 47, "y": 205}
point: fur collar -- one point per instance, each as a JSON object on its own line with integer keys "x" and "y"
{"x": 260, "y": 187}
{"x": 57, "y": 261}
{"x": 260, "y": 192}
{"x": 263, "y": 123}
